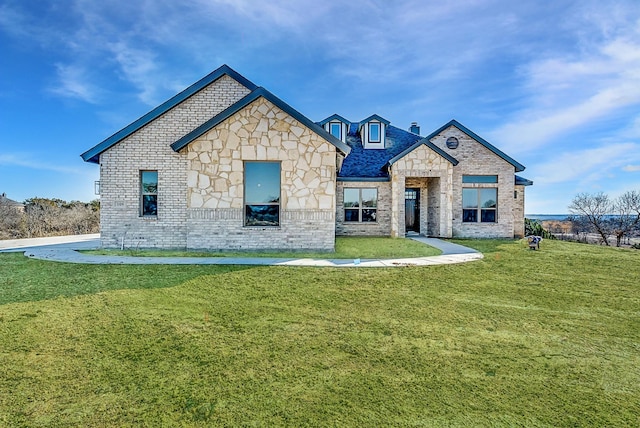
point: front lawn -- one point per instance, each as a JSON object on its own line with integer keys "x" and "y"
{"x": 351, "y": 247}
{"x": 520, "y": 338}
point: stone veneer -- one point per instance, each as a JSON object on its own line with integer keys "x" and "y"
{"x": 432, "y": 173}
{"x": 215, "y": 176}
{"x": 476, "y": 159}
{"x": 518, "y": 212}
{"x": 149, "y": 149}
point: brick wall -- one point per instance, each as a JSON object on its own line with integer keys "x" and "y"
{"x": 475, "y": 159}
{"x": 149, "y": 149}
{"x": 382, "y": 225}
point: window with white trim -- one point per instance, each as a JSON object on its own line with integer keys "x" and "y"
{"x": 374, "y": 132}
{"x": 360, "y": 205}
{"x": 335, "y": 128}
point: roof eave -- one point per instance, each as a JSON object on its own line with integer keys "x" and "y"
{"x": 430, "y": 145}
{"x": 245, "y": 101}
{"x": 521, "y": 181}
{"x": 93, "y": 154}
{"x": 517, "y": 165}
{"x": 374, "y": 117}
{"x": 334, "y": 117}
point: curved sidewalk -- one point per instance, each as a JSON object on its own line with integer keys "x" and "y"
{"x": 451, "y": 253}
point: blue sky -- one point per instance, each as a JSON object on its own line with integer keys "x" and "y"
{"x": 554, "y": 84}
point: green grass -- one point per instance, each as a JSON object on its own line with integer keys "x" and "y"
{"x": 520, "y": 338}
{"x": 346, "y": 248}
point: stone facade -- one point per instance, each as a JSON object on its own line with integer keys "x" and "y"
{"x": 215, "y": 177}
{"x": 432, "y": 174}
{"x": 200, "y": 147}
{"x": 518, "y": 212}
{"x": 149, "y": 149}
{"x": 476, "y": 159}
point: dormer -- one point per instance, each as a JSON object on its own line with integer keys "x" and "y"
{"x": 337, "y": 126}
{"x": 372, "y": 132}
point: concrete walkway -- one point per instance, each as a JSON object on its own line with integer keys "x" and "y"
{"x": 60, "y": 250}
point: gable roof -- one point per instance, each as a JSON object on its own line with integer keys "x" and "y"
{"x": 245, "y": 101}
{"x": 518, "y": 166}
{"x": 521, "y": 181}
{"x": 430, "y": 145}
{"x": 9, "y": 202}
{"x": 334, "y": 118}
{"x": 374, "y": 117}
{"x": 93, "y": 154}
{"x": 372, "y": 163}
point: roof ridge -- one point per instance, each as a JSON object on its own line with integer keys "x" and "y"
{"x": 518, "y": 166}
{"x": 248, "y": 99}
{"x": 93, "y": 154}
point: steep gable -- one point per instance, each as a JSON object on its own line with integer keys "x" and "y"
{"x": 93, "y": 154}
{"x": 247, "y": 100}
{"x": 484, "y": 143}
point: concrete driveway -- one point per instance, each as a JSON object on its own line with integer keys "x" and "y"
{"x": 74, "y": 242}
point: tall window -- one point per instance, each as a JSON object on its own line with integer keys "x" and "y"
{"x": 374, "y": 132}
{"x": 149, "y": 193}
{"x": 336, "y": 130}
{"x": 360, "y": 205}
{"x": 479, "y": 205}
{"x": 262, "y": 193}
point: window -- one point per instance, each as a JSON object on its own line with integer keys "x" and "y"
{"x": 452, "y": 142}
{"x": 374, "y": 132}
{"x": 149, "y": 193}
{"x": 262, "y": 193}
{"x": 360, "y": 205}
{"x": 479, "y": 205}
{"x": 479, "y": 178}
{"x": 336, "y": 130}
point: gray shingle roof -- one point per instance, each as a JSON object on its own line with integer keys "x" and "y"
{"x": 373, "y": 163}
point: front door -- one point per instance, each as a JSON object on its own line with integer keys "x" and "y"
{"x": 412, "y": 210}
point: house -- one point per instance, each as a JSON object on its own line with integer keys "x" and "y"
{"x": 226, "y": 164}
{"x": 10, "y": 203}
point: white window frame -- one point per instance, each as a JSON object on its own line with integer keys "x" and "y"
{"x": 339, "y": 125}
{"x": 379, "y": 125}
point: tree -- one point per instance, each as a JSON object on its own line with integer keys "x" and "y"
{"x": 594, "y": 208}
{"x": 627, "y": 215}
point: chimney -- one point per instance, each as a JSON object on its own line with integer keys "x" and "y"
{"x": 414, "y": 128}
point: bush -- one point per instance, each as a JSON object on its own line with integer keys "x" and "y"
{"x": 534, "y": 228}
{"x": 49, "y": 217}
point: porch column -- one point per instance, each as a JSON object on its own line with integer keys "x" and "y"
{"x": 446, "y": 204}
{"x": 397, "y": 205}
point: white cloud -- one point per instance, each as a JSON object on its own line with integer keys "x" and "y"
{"x": 631, "y": 168}
{"x": 73, "y": 83}
{"x": 27, "y": 161}
{"x": 566, "y": 95}
{"x": 139, "y": 67}
{"x": 586, "y": 166}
